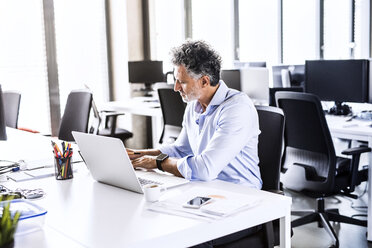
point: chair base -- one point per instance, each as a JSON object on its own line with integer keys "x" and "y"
{"x": 323, "y": 217}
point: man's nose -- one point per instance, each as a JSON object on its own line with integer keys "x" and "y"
{"x": 177, "y": 86}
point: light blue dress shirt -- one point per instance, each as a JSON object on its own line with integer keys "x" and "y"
{"x": 221, "y": 142}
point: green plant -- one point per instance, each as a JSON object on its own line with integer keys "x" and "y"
{"x": 8, "y": 224}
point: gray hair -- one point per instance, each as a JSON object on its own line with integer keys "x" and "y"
{"x": 199, "y": 59}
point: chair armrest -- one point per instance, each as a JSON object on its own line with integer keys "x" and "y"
{"x": 356, "y": 150}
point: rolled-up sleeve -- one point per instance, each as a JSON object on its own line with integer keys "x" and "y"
{"x": 180, "y": 148}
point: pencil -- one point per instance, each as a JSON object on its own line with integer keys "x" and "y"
{"x": 134, "y": 153}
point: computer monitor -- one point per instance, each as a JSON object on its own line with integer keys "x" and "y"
{"x": 255, "y": 83}
{"x": 297, "y": 73}
{"x": 2, "y": 117}
{"x": 147, "y": 72}
{"x": 232, "y": 78}
{"x": 339, "y": 81}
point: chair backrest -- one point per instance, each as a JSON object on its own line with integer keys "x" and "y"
{"x": 270, "y": 145}
{"x": 76, "y": 115}
{"x": 173, "y": 108}
{"x": 272, "y": 92}
{"x": 97, "y": 119}
{"x": 12, "y": 101}
{"x": 309, "y": 154}
{"x": 2, "y": 118}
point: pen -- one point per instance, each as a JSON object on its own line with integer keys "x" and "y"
{"x": 134, "y": 153}
{"x": 63, "y": 148}
{"x": 55, "y": 146}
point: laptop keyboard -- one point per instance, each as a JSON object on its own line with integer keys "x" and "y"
{"x": 144, "y": 181}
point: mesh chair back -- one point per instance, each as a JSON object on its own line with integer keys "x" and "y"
{"x": 270, "y": 145}
{"x": 76, "y": 115}
{"x": 12, "y": 101}
{"x": 308, "y": 142}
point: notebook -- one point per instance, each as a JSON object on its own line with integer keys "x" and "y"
{"x": 109, "y": 163}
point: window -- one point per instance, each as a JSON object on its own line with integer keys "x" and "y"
{"x": 259, "y": 31}
{"x": 212, "y": 21}
{"x": 337, "y": 29}
{"x": 168, "y": 30}
{"x": 81, "y": 48}
{"x": 23, "y": 60}
{"x": 300, "y": 31}
{"x": 362, "y": 29}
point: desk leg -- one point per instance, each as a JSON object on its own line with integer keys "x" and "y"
{"x": 285, "y": 230}
{"x": 369, "y": 219}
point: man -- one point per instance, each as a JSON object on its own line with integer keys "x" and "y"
{"x": 220, "y": 127}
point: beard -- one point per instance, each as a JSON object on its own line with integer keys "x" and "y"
{"x": 192, "y": 96}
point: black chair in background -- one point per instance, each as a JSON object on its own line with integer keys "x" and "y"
{"x": 310, "y": 164}
{"x": 173, "y": 108}
{"x": 270, "y": 144}
{"x": 76, "y": 114}
{"x": 12, "y": 101}
{"x": 110, "y": 129}
{"x": 232, "y": 78}
{"x": 2, "y": 118}
{"x": 272, "y": 92}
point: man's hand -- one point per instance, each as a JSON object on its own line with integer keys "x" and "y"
{"x": 147, "y": 162}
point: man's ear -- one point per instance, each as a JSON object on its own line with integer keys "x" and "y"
{"x": 205, "y": 81}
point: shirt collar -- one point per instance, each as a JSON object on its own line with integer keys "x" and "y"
{"x": 220, "y": 95}
{"x": 217, "y": 99}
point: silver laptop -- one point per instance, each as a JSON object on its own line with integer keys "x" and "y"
{"x": 109, "y": 163}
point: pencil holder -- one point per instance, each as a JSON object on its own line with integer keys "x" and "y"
{"x": 63, "y": 168}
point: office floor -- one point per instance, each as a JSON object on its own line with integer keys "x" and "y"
{"x": 350, "y": 236}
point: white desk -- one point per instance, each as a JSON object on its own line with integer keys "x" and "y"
{"x": 355, "y": 130}
{"x": 141, "y": 106}
{"x": 85, "y": 213}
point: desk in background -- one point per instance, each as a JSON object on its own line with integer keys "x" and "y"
{"x": 85, "y": 213}
{"x": 145, "y": 106}
{"x": 355, "y": 130}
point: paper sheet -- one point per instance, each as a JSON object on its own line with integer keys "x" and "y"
{"x": 224, "y": 203}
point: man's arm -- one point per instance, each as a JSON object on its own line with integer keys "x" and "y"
{"x": 170, "y": 165}
{"x": 149, "y": 162}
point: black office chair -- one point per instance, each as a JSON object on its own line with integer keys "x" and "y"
{"x": 76, "y": 115}
{"x": 272, "y": 92}
{"x": 310, "y": 164}
{"x": 109, "y": 118}
{"x": 2, "y": 118}
{"x": 173, "y": 108}
{"x": 12, "y": 101}
{"x": 270, "y": 144}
